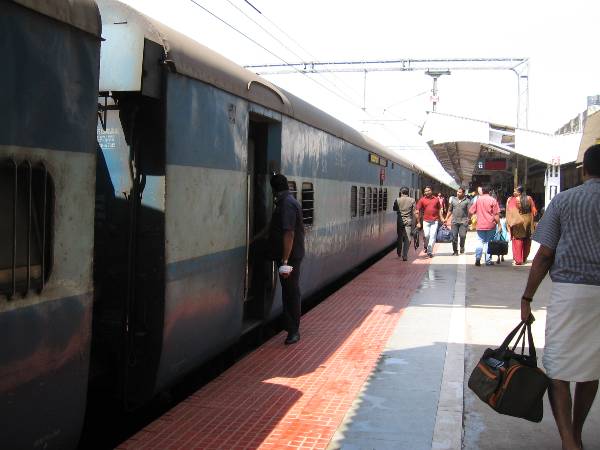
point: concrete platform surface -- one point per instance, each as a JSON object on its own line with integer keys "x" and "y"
{"x": 417, "y": 397}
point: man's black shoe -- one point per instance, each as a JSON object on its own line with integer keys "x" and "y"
{"x": 454, "y": 253}
{"x": 292, "y": 338}
{"x": 477, "y": 263}
{"x": 462, "y": 250}
{"x": 404, "y": 258}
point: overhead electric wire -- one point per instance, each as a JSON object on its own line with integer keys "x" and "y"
{"x": 279, "y": 41}
{"x": 273, "y": 54}
{"x": 406, "y": 100}
{"x": 349, "y": 101}
{"x": 297, "y": 43}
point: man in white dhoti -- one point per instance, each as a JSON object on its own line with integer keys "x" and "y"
{"x": 569, "y": 237}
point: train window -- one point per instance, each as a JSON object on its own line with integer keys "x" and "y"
{"x": 353, "y": 201}
{"x": 361, "y": 202}
{"x": 374, "y": 201}
{"x": 293, "y": 189}
{"x": 380, "y": 200}
{"x": 385, "y": 199}
{"x": 308, "y": 203}
{"x": 26, "y": 234}
{"x": 369, "y": 199}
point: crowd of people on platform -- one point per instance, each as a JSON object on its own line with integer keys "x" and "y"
{"x": 480, "y": 211}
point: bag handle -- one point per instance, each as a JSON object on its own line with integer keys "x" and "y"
{"x": 521, "y": 328}
{"x": 511, "y": 336}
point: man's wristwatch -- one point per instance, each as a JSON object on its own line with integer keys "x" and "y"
{"x": 527, "y": 299}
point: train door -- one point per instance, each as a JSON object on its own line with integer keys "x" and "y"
{"x": 264, "y": 150}
{"x": 129, "y": 249}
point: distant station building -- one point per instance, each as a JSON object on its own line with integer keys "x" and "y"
{"x": 586, "y": 123}
{"x": 476, "y": 152}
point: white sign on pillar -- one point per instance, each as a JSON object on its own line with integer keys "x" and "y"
{"x": 552, "y": 182}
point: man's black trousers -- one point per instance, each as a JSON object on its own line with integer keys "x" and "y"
{"x": 290, "y": 295}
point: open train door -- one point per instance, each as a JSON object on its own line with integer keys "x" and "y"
{"x": 264, "y": 158}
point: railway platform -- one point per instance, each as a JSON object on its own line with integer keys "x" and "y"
{"x": 383, "y": 363}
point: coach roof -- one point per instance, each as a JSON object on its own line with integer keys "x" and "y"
{"x": 188, "y": 57}
{"x": 82, "y": 14}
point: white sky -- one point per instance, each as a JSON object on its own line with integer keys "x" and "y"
{"x": 558, "y": 36}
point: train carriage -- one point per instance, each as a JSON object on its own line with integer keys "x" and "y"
{"x": 47, "y": 160}
{"x": 171, "y": 205}
{"x": 189, "y": 143}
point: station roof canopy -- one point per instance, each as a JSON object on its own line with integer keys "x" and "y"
{"x": 457, "y": 143}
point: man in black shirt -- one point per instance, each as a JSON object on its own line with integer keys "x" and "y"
{"x": 405, "y": 209}
{"x": 286, "y": 241}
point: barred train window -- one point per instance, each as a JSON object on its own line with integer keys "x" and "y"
{"x": 385, "y": 200}
{"x": 353, "y": 201}
{"x": 374, "y": 201}
{"x": 26, "y": 230}
{"x": 308, "y": 203}
{"x": 369, "y": 199}
{"x": 292, "y": 188}
{"x": 361, "y": 202}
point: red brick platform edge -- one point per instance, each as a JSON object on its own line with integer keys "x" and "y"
{"x": 295, "y": 397}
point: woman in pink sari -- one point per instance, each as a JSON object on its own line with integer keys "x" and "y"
{"x": 520, "y": 211}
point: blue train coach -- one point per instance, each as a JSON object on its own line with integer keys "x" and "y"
{"x": 49, "y": 82}
{"x": 136, "y": 179}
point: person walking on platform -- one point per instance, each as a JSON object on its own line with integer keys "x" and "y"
{"x": 405, "y": 210}
{"x": 428, "y": 206}
{"x": 569, "y": 238}
{"x": 286, "y": 242}
{"x": 458, "y": 219}
{"x": 502, "y": 232}
{"x": 520, "y": 211}
{"x": 442, "y": 201}
{"x": 488, "y": 217}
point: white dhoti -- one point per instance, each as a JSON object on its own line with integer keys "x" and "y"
{"x": 572, "y": 351}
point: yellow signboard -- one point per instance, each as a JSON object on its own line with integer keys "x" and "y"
{"x": 373, "y": 158}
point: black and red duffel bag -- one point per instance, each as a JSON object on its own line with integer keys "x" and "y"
{"x": 509, "y": 382}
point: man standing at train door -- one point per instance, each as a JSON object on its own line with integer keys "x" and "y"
{"x": 286, "y": 242}
{"x": 404, "y": 207}
{"x": 429, "y": 207}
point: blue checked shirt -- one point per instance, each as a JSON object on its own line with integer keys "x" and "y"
{"x": 571, "y": 227}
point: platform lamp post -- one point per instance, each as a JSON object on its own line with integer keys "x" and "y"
{"x": 435, "y": 74}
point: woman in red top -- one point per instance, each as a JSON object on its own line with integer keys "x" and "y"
{"x": 520, "y": 211}
{"x": 442, "y": 201}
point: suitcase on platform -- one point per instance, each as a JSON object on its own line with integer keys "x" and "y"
{"x": 444, "y": 235}
{"x": 498, "y": 246}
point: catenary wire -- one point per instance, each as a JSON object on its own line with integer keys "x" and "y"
{"x": 331, "y": 83}
{"x": 297, "y": 43}
{"x": 349, "y": 101}
{"x": 275, "y": 55}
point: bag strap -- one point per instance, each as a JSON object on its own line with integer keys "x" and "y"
{"x": 511, "y": 336}
{"x": 522, "y": 327}
{"x": 531, "y": 344}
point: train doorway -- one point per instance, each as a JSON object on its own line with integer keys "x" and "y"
{"x": 264, "y": 157}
